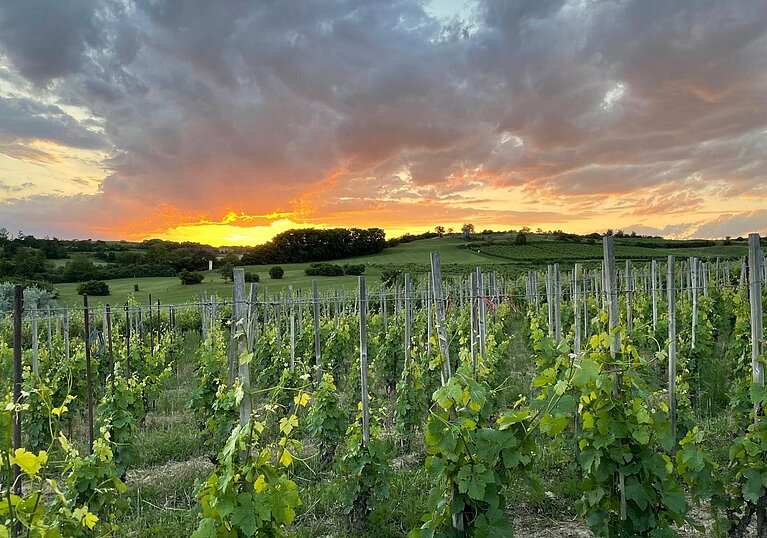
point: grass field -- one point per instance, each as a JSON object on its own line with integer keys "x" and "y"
{"x": 540, "y": 249}
{"x": 550, "y": 251}
{"x": 169, "y": 290}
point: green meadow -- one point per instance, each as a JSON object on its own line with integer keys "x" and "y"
{"x": 499, "y": 251}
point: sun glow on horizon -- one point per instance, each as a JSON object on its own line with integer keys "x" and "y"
{"x": 226, "y": 232}
{"x": 235, "y": 229}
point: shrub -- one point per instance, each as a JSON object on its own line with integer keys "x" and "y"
{"x": 276, "y": 272}
{"x": 33, "y": 295}
{"x": 354, "y": 269}
{"x": 135, "y": 287}
{"x": 93, "y": 287}
{"x": 324, "y": 269}
{"x": 521, "y": 239}
{"x": 252, "y": 277}
{"x": 190, "y": 277}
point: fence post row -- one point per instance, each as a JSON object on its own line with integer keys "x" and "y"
{"x": 755, "y": 300}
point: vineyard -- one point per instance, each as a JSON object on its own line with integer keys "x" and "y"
{"x": 589, "y": 399}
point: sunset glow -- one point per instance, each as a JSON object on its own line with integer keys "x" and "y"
{"x": 226, "y": 123}
{"x": 226, "y": 233}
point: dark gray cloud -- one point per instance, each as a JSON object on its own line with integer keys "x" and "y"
{"x": 49, "y": 39}
{"x": 250, "y": 105}
{"x": 23, "y": 119}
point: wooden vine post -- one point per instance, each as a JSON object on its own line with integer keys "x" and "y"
{"x": 671, "y": 292}
{"x": 109, "y": 347}
{"x": 473, "y": 305}
{"x": 408, "y": 321}
{"x": 439, "y": 304}
{"x": 244, "y": 366}
{"x": 278, "y": 320}
{"x": 577, "y": 272}
{"x": 611, "y": 290}
{"x": 654, "y": 281}
{"x": 33, "y": 323}
{"x": 383, "y": 308}
{"x": 440, "y": 325}
{"x": 557, "y": 304}
{"x": 18, "y": 306}
{"x": 336, "y": 305}
{"x": 586, "y": 321}
{"x": 66, "y": 332}
{"x": 755, "y": 299}
{"x": 292, "y": 331}
{"x": 550, "y": 299}
{"x": 88, "y": 375}
{"x": 50, "y": 331}
{"x": 127, "y": 341}
{"x": 252, "y": 317}
{"x": 481, "y": 312}
{"x": 204, "y": 319}
{"x": 232, "y": 342}
{"x": 629, "y": 296}
{"x": 363, "y": 300}
{"x": 694, "y": 285}
{"x": 151, "y": 328}
{"x": 316, "y": 313}
{"x": 577, "y": 342}
{"x": 429, "y": 315}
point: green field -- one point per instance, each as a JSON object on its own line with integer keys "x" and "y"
{"x": 169, "y": 290}
{"x": 541, "y": 249}
{"x": 552, "y": 251}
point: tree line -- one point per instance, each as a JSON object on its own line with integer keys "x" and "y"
{"x": 30, "y": 260}
{"x": 316, "y": 245}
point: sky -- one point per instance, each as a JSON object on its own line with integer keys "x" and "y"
{"x": 227, "y": 122}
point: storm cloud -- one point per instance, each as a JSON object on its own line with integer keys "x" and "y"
{"x": 325, "y": 108}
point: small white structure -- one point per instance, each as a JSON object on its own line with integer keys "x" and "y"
{"x": 210, "y": 265}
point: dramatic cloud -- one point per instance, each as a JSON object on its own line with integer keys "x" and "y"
{"x": 25, "y": 120}
{"x": 570, "y": 114}
{"x": 49, "y": 39}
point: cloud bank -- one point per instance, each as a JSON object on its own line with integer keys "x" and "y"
{"x": 570, "y": 114}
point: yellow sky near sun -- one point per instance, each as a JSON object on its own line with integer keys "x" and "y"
{"x": 44, "y": 168}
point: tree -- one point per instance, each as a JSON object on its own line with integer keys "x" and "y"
{"x": 227, "y": 264}
{"x": 313, "y": 245}
{"x": 29, "y": 262}
{"x": 467, "y": 230}
{"x": 190, "y": 277}
{"x": 79, "y": 269}
{"x": 521, "y": 239}
{"x": 439, "y": 230}
{"x": 93, "y": 287}
{"x": 226, "y": 271}
{"x": 190, "y": 258}
{"x": 276, "y": 272}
